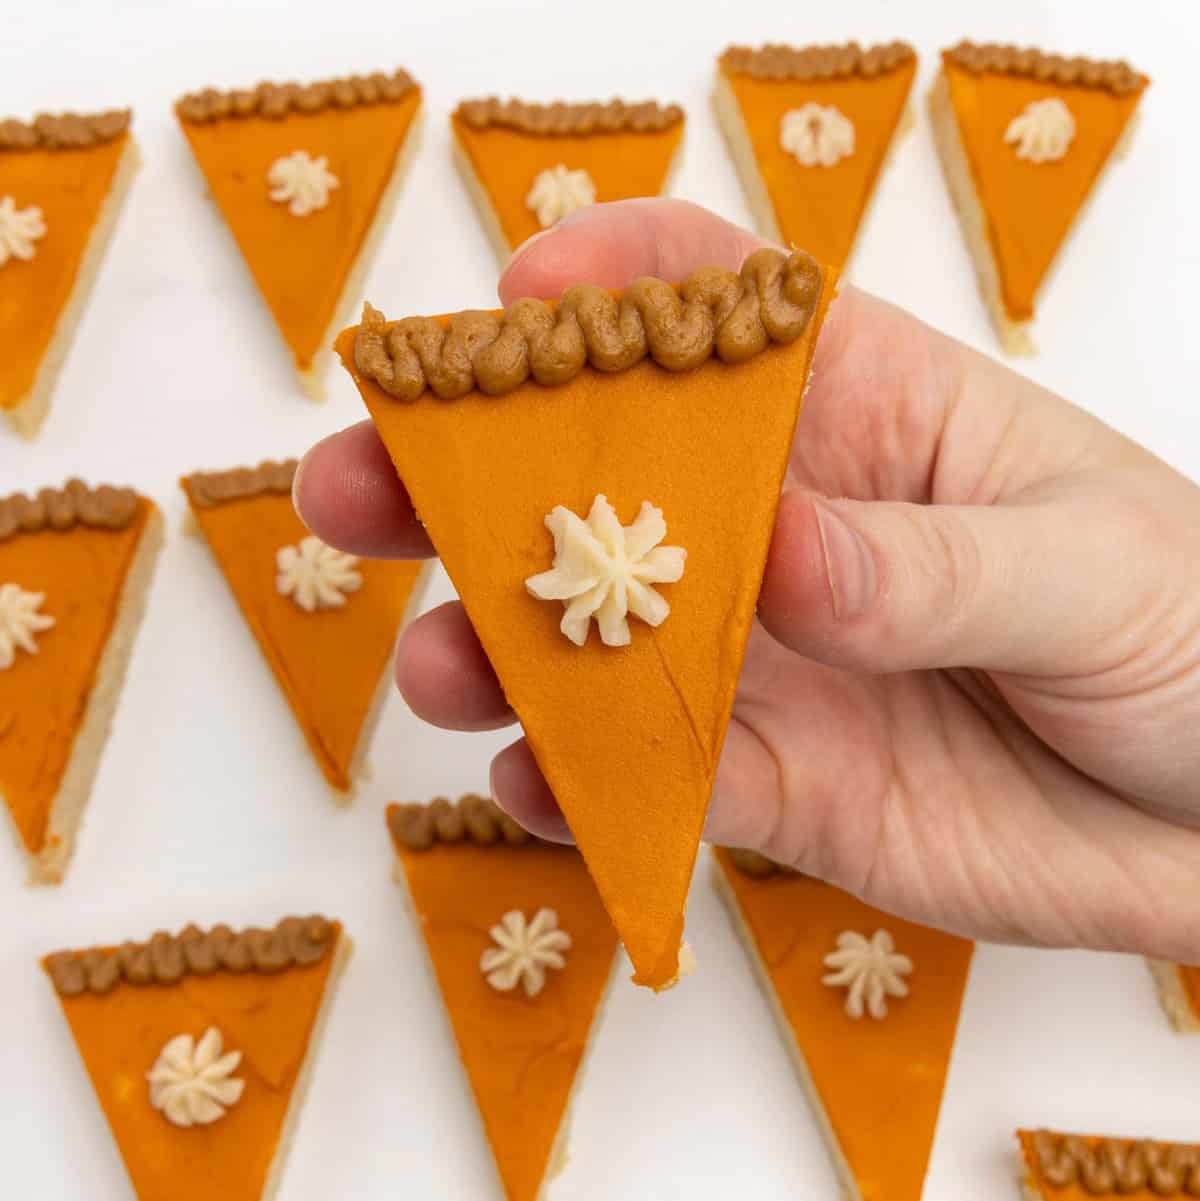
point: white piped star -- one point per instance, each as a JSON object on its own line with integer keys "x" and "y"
{"x": 558, "y": 191}
{"x": 1043, "y": 131}
{"x": 301, "y": 182}
{"x": 19, "y": 622}
{"x": 817, "y": 135}
{"x": 605, "y": 570}
{"x": 524, "y": 950}
{"x": 316, "y": 576}
{"x": 19, "y": 229}
{"x": 870, "y": 969}
{"x": 192, "y": 1083}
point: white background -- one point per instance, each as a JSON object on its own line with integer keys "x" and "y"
{"x": 208, "y": 806}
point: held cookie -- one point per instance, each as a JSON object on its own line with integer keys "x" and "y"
{"x": 600, "y": 479}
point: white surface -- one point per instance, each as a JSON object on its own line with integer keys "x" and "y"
{"x": 209, "y": 808}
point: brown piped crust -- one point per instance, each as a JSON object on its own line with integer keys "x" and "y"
{"x": 1117, "y": 77}
{"x": 474, "y": 819}
{"x": 277, "y": 100}
{"x": 562, "y": 118}
{"x": 1113, "y": 1167}
{"x": 208, "y": 489}
{"x": 167, "y": 958}
{"x": 63, "y": 131}
{"x": 716, "y": 311}
{"x": 62, "y": 508}
{"x": 751, "y": 863}
{"x": 777, "y": 61}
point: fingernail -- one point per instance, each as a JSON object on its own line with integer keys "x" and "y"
{"x": 525, "y": 247}
{"x": 849, "y": 564}
{"x": 296, "y": 487}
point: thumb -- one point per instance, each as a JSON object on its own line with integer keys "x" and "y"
{"x": 1036, "y": 588}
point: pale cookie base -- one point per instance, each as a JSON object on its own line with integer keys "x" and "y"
{"x": 1173, "y": 996}
{"x": 850, "y": 1187}
{"x": 737, "y": 139}
{"x": 487, "y": 214}
{"x": 303, "y": 1083}
{"x": 360, "y": 769}
{"x": 1014, "y": 335}
{"x": 66, "y": 811}
{"x": 559, "y": 1153}
{"x": 33, "y": 408}
{"x": 344, "y": 312}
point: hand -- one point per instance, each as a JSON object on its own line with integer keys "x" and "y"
{"x": 974, "y": 696}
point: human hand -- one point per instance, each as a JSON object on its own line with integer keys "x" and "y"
{"x": 974, "y": 695}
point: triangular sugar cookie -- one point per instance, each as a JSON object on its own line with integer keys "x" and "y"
{"x": 875, "y": 1081}
{"x": 245, "y": 1008}
{"x": 478, "y": 882}
{"x": 75, "y": 566}
{"x": 809, "y": 130}
{"x": 306, "y": 178}
{"x": 528, "y": 165}
{"x": 1179, "y": 992}
{"x": 1089, "y": 1167}
{"x": 62, "y": 183}
{"x": 326, "y": 622}
{"x": 1023, "y": 138}
{"x": 651, "y": 409}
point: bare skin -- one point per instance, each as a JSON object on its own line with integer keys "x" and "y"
{"x": 974, "y": 694}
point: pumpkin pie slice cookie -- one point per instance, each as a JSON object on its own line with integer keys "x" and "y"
{"x": 868, "y": 1005}
{"x": 306, "y": 178}
{"x": 1086, "y": 1167}
{"x": 1179, "y": 992}
{"x": 528, "y": 165}
{"x": 615, "y": 458}
{"x": 522, "y": 950}
{"x": 325, "y": 621}
{"x": 809, "y": 130}
{"x": 199, "y": 1047}
{"x": 63, "y": 180}
{"x": 75, "y": 567}
{"x": 1023, "y": 137}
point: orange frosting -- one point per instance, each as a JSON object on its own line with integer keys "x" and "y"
{"x": 622, "y": 165}
{"x": 43, "y": 697}
{"x": 301, "y": 264}
{"x": 628, "y": 738}
{"x": 880, "y": 1082}
{"x": 1030, "y": 207}
{"x": 328, "y": 663}
{"x": 521, "y": 1054}
{"x": 70, "y": 186}
{"x": 819, "y": 208}
{"x": 1189, "y": 977}
{"x": 269, "y": 1018}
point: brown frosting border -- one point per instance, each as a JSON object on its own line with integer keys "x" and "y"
{"x": 776, "y": 60}
{"x": 1114, "y": 75}
{"x": 207, "y": 489}
{"x": 277, "y": 100}
{"x": 64, "y": 131}
{"x": 560, "y": 117}
{"x": 167, "y": 958}
{"x": 473, "y": 819}
{"x": 75, "y": 503}
{"x": 1112, "y": 1167}
{"x": 714, "y": 311}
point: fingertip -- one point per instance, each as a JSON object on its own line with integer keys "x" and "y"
{"x": 347, "y": 492}
{"x": 445, "y": 676}
{"x": 520, "y": 789}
